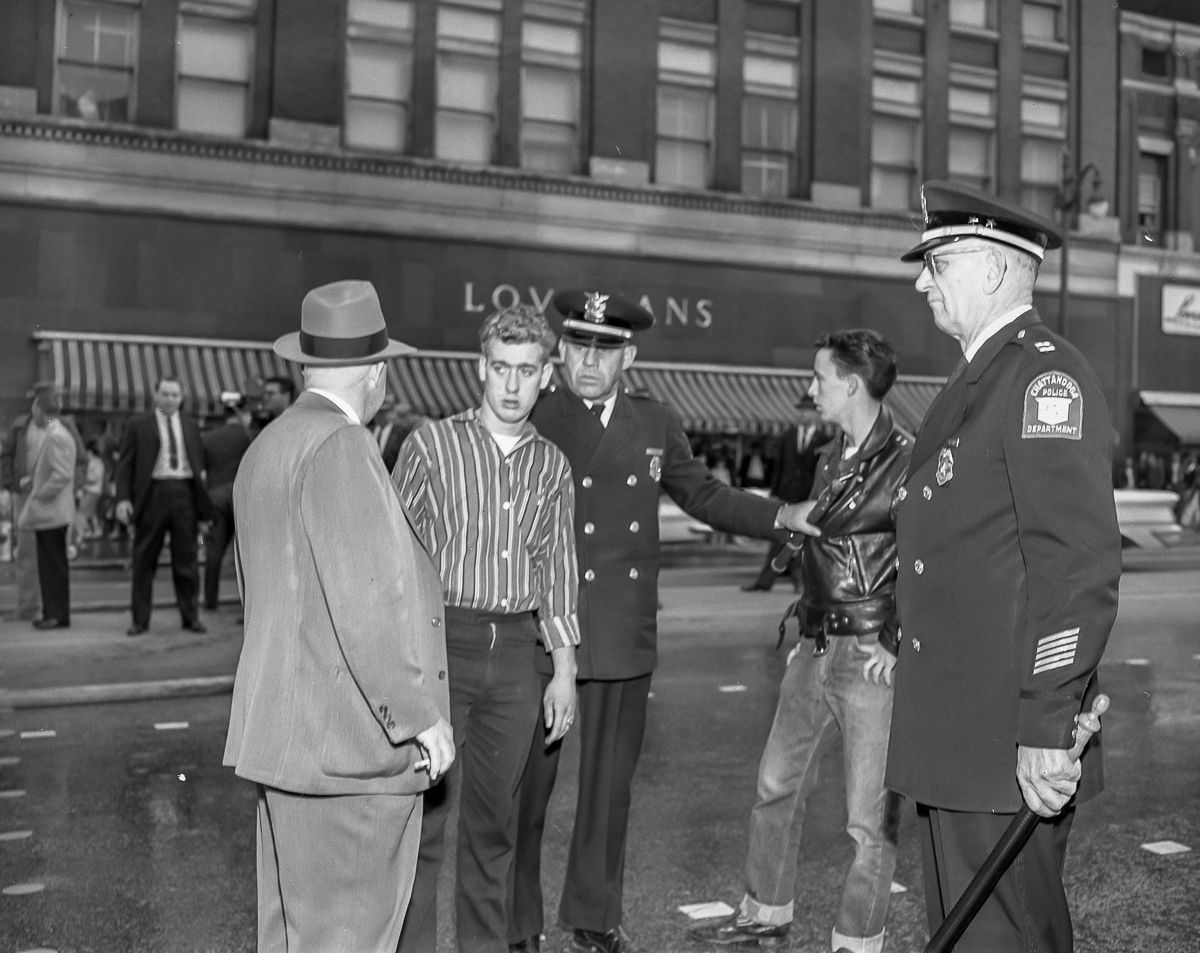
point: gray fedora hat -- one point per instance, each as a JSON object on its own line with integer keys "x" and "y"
{"x": 341, "y": 324}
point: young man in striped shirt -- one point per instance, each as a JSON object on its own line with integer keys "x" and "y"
{"x": 494, "y": 504}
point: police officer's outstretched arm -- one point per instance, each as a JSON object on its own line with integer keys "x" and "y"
{"x": 1057, "y": 445}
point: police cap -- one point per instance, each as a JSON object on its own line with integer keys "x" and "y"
{"x": 603, "y": 320}
{"x": 955, "y": 212}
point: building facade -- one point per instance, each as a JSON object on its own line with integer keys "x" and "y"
{"x": 175, "y": 174}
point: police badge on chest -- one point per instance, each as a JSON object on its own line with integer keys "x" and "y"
{"x": 945, "y": 463}
{"x": 655, "y": 455}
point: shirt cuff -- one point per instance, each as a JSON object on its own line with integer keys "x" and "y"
{"x": 559, "y": 631}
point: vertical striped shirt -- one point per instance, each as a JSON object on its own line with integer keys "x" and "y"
{"x": 500, "y": 528}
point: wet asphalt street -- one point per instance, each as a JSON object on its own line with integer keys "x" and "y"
{"x": 119, "y": 830}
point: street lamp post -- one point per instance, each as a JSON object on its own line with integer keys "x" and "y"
{"x": 1068, "y": 203}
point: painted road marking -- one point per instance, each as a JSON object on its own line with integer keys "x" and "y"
{"x": 12, "y": 792}
{"x": 1137, "y": 661}
{"x": 15, "y": 835}
{"x": 20, "y": 890}
{"x": 9, "y": 762}
{"x": 731, "y": 688}
{"x": 39, "y": 733}
{"x": 170, "y": 725}
{"x": 6, "y": 732}
{"x": 1166, "y": 847}
{"x": 706, "y": 910}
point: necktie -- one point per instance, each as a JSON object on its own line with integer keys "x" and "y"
{"x": 597, "y": 411}
{"x": 172, "y": 445}
{"x": 959, "y": 368}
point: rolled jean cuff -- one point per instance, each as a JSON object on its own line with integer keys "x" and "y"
{"x": 857, "y": 944}
{"x": 766, "y": 914}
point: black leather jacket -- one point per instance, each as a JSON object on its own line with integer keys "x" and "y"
{"x": 849, "y": 571}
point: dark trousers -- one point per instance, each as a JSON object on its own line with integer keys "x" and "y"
{"x": 1027, "y": 912}
{"x": 220, "y": 535}
{"x": 611, "y": 722}
{"x": 495, "y": 705}
{"x": 54, "y": 576}
{"x": 171, "y": 505}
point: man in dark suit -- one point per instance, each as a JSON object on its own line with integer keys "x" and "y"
{"x": 791, "y": 481}
{"x": 160, "y": 489}
{"x": 1009, "y": 560}
{"x": 224, "y": 447}
{"x": 623, "y": 450}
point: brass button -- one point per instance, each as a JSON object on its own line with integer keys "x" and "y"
{"x": 589, "y": 528}
{"x": 916, "y": 644}
{"x": 441, "y": 676}
{"x": 585, "y": 482}
{"x": 902, "y": 495}
{"x": 634, "y": 526}
{"x": 919, "y": 567}
{"x": 589, "y": 575}
{"x": 927, "y": 493}
{"x": 632, "y": 479}
{"x": 633, "y": 573}
{"x": 436, "y": 622}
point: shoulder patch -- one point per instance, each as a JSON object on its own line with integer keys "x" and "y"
{"x": 1053, "y": 408}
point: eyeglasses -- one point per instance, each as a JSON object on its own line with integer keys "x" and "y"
{"x": 935, "y": 261}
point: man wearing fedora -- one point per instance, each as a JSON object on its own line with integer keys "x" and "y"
{"x": 623, "y": 449}
{"x": 160, "y": 490}
{"x": 1009, "y": 560}
{"x": 340, "y": 708}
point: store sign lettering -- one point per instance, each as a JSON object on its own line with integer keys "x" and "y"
{"x": 671, "y": 311}
{"x": 1181, "y": 309}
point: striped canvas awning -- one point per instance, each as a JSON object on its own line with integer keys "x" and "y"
{"x": 117, "y": 373}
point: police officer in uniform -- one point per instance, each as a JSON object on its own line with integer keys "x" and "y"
{"x": 623, "y": 449}
{"x": 1009, "y": 559}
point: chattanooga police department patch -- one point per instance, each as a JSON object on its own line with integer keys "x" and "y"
{"x": 1053, "y": 407}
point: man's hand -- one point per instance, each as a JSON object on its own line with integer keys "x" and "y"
{"x": 794, "y": 517}
{"x": 878, "y": 662}
{"x": 1048, "y": 778}
{"x": 558, "y": 702}
{"x": 124, "y": 512}
{"x": 437, "y": 744}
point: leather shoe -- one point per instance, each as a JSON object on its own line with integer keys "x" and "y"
{"x": 530, "y": 944}
{"x": 51, "y": 624}
{"x": 136, "y": 630}
{"x": 194, "y": 626}
{"x": 592, "y": 941}
{"x": 737, "y": 929}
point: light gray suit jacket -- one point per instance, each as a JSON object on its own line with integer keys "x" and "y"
{"x": 51, "y": 501}
{"x": 344, "y": 659}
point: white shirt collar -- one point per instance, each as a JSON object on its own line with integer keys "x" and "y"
{"x": 992, "y": 328}
{"x": 339, "y": 403}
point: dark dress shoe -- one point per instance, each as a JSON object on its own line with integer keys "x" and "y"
{"x": 136, "y": 630}
{"x": 592, "y": 941}
{"x": 531, "y": 944}
{"x": 737, "y": 929}
{"x": 51, "y": 623}
{"x": 194, "y": 626}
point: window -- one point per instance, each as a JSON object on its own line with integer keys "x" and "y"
{"x": 908, "y": 8}
{"x": 1043, "y": 139}
{"x": 1151, "y": 184}
{"x": 216, "y": 63}
{"x": 1156, "y": 63}
{"x": 771, "y": 83}
{"x": 97, "y": 52}
{"x": 687, "y": 76}
{"x": 551, "y": 79}
{"x": 971, "y": 150}
{"x": 468, "y": 80}
{"x": 979, "y": 14}
{"x": 1042, "y": 21}
{"x": 379, "y": 68}
{"x": 896, "y": 99}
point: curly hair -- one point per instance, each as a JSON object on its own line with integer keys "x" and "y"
{"x": 518, "y": 324}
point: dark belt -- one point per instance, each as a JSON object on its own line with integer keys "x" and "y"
{"x": 820, "y": 623}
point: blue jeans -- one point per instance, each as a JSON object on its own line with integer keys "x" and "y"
{"x": 819, "y": 694}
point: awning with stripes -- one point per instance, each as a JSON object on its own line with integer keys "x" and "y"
{"x": 117, "y": 373}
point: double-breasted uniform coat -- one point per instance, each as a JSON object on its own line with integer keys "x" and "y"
{"x": 619, "y": 471}
{"x": 1009, "y": 561}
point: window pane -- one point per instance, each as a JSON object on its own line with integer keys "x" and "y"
{"x": 467, "y": 82}
{"x": 547, "y": 147}
{"x": 1043, "y": 112}
{"x": 892, "y": 188}
{"x": 765, "y": 175}
{"x": 463, "y": 137}
{"x": 771, "y": 71}
{"x": 970, "y": 157}
{"x": 893, "y": 89}
{"x": 376, "y": 125}
{"x": 468, "y": 25}
{"x": 98, "y": 34}
{"x": 216, "y": 50}
{"x": 680, "y": 163}
{"x": 683, "y": 113}
{"x": 217, "y": 108}
{"x": 380, "y": 71}
{"x": 549, "y": 94}
{"x": 907, "y": 7}
{"x": 94, "y": 93}
{"x": 975, "y": 13}
{"x": 1039, "y": 22}
{"x": 767, "y": 124}
{"x": 1040, "y": 199}
{"x": 1040, "y": 162}
{"x": 972, "y": 102}
{"x": 687, "y": 58}
{"x": 394, "y": 14}
{"x": 893, "y": 141}
{"x": 554, "y": 38}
